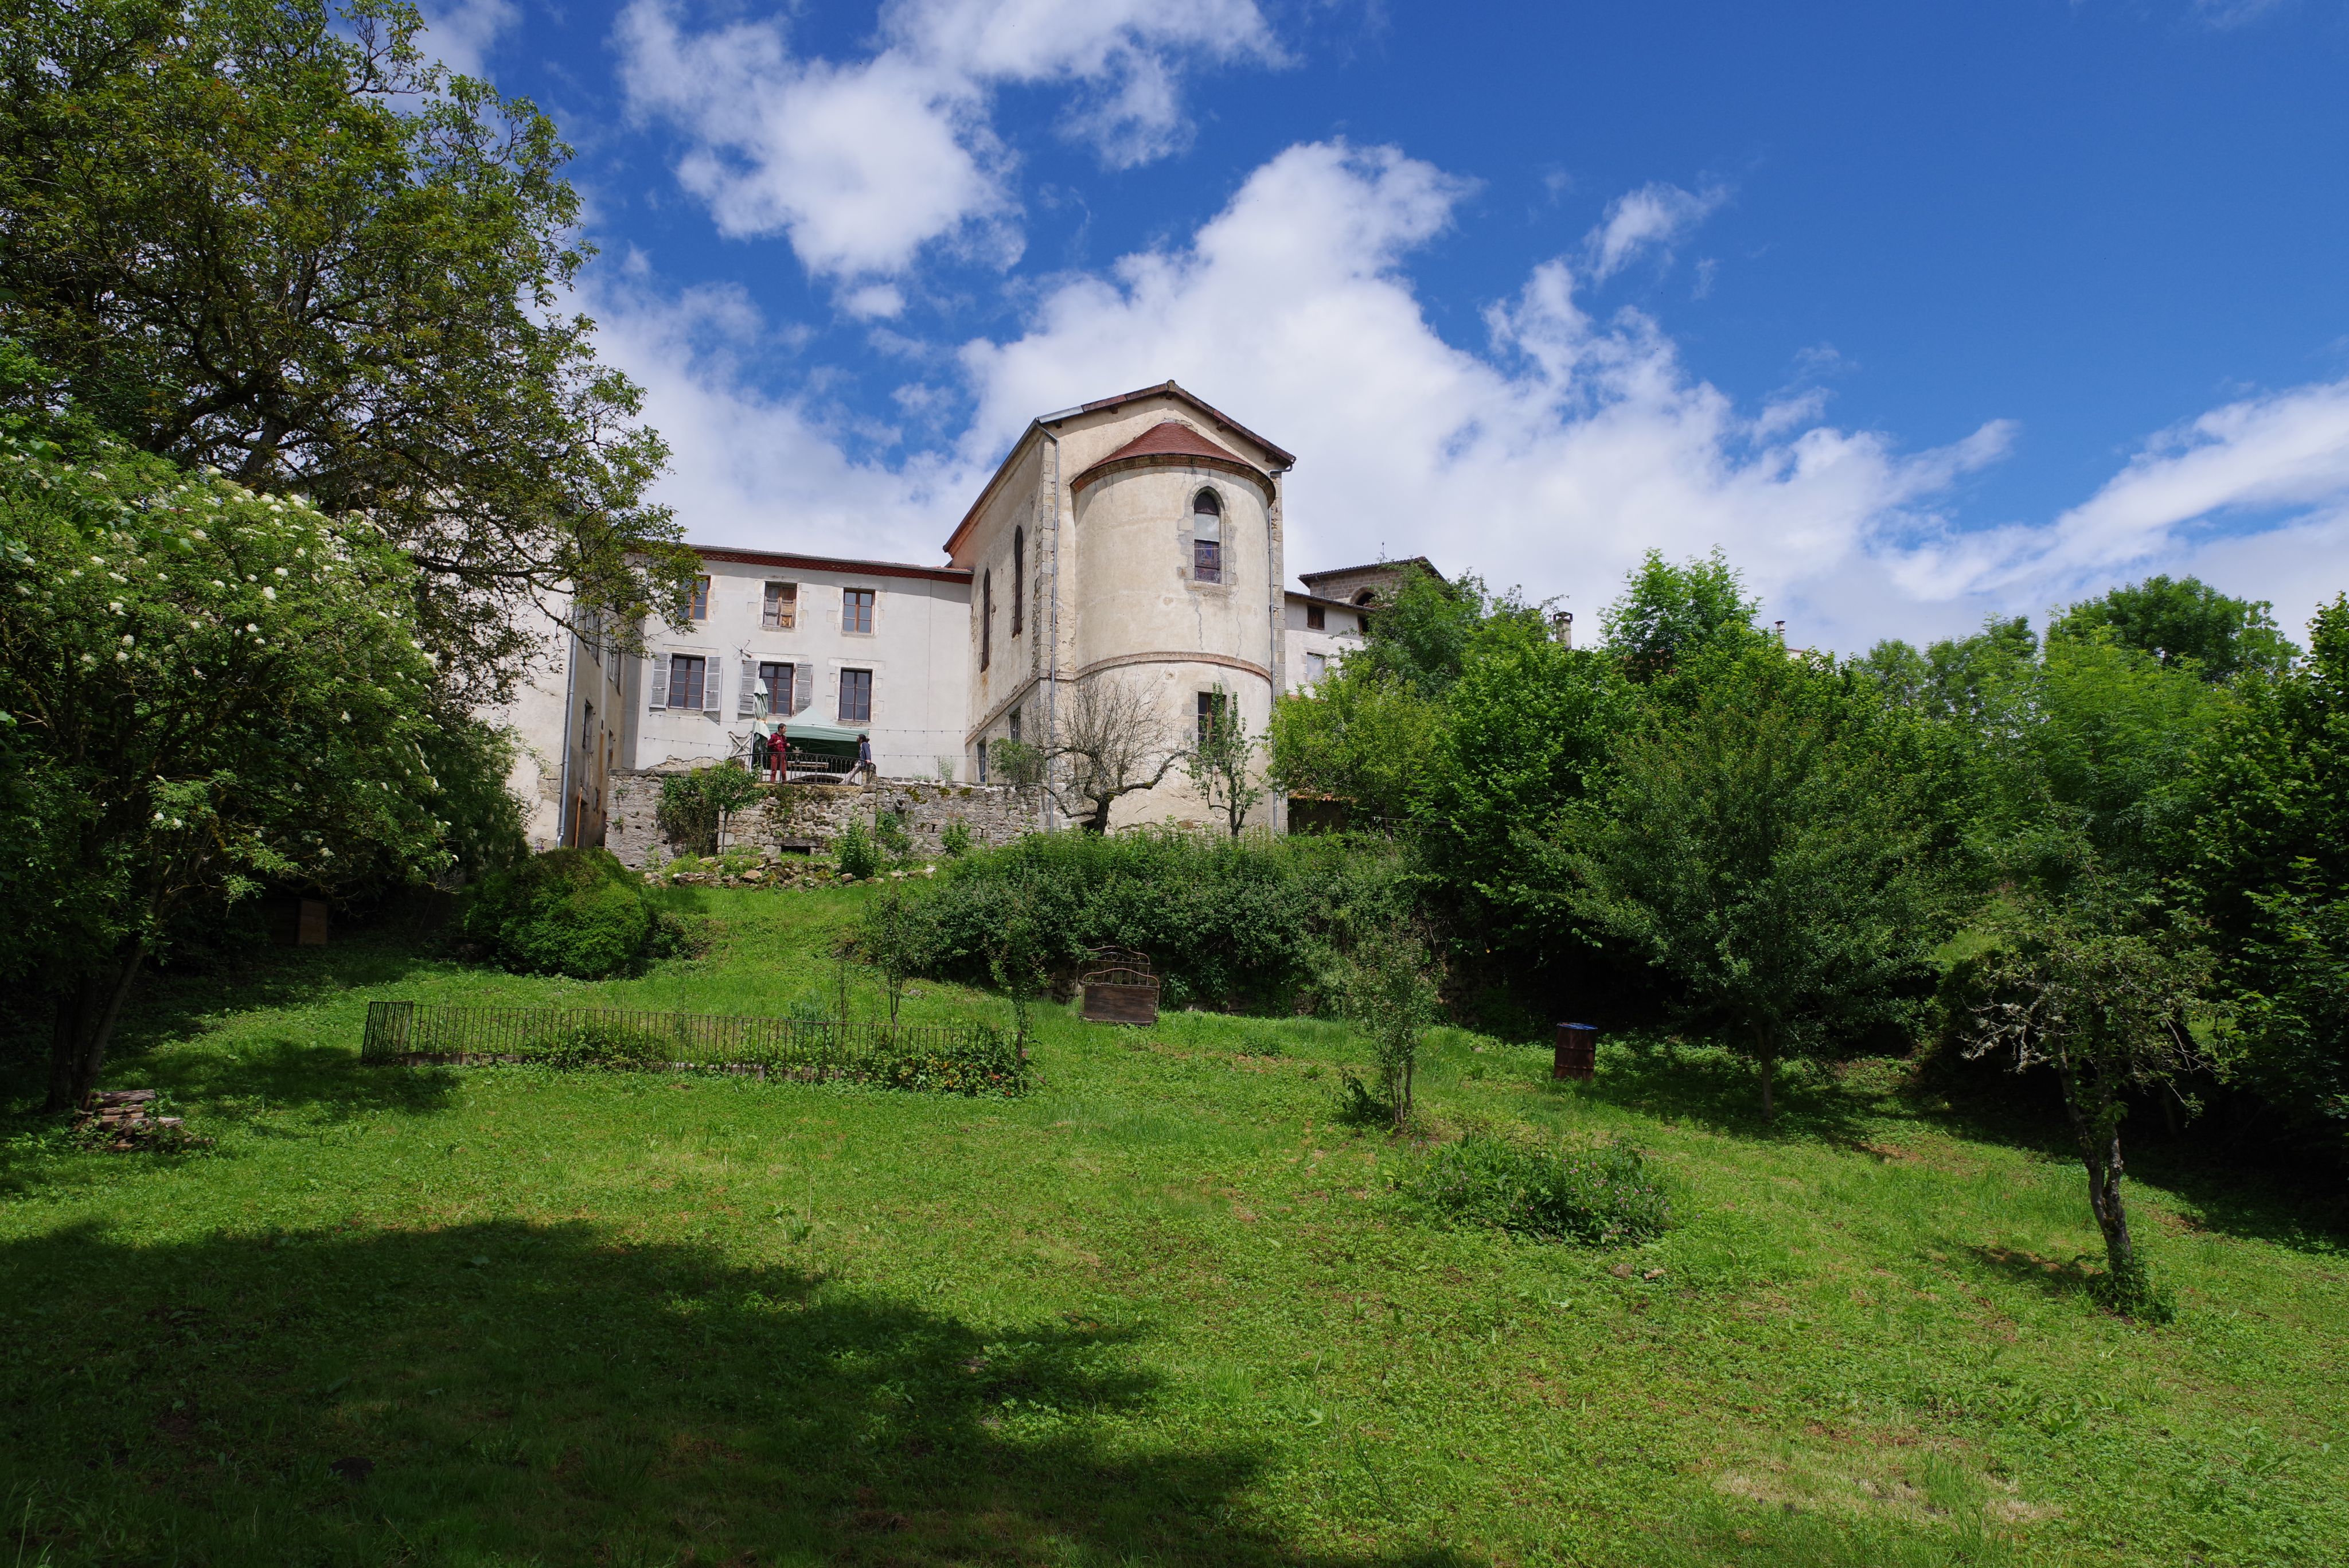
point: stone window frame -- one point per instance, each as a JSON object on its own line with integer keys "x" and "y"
{"x": 1185, "y": 567}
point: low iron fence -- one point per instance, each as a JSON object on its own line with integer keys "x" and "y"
{"x": 963, "y": 1058}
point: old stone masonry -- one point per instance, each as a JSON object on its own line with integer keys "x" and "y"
{"x": 992, "y": 814}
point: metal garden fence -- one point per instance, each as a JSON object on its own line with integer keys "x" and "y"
{"x": 969, "y": 1058}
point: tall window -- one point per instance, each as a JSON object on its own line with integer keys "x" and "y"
{"x": 1211, "y": 713}
{"x": 1019, "y": 575}
{"x": 777, "y": 679}
{"x": 856, "y": 609}
{"x": 986, "y": 619}
{"x": 1014, "y": 726}
{"x": 1316, "y": 665}
{"x": 1316, "y": 617}
{"x": 1207, "y": 537}
{"x": 685, "y": 673}
{"x": 702, "y": 598}
{"x": 856, "y": 696}
{"x": 782, "y": 609}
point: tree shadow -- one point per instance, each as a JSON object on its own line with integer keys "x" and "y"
{"x": 559, "y": 1393}
{"x": 2062, "y": 1277}
{"x": 1708, "y": 1086}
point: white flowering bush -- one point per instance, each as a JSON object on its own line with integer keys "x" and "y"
{"x": 203, "y": 690}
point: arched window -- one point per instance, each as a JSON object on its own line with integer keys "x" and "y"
{"x": 1207, "y": 537}
{"x": 1367, "y": 597}
{"x": 1019, "y": 576}
{"x": 986, "y": 618}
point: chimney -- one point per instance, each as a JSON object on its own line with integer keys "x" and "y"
{"x": 1561, "y": 626}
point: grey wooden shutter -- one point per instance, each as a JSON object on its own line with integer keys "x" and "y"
{"x": 745, "y": 705}
{"x": 803, "y": 688}
{"x": 713, "y": 688}
{"x": 658, "y": 664}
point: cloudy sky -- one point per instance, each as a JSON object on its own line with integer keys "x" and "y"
{"x": 1919, "y": 312}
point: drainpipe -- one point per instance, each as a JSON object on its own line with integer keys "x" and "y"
{"x": 570, "y": 716}
{"x": 1052, "y": 646}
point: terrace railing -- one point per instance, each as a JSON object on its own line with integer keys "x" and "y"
{"x": 968, "y": 1057}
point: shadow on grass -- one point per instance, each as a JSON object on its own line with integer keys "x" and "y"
{"x": 500, "y": 1391}
{"x": 2050, "y": 1276}
{"x": 1707, "y": 1085}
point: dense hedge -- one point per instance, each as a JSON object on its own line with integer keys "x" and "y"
{"x": 1223, "y": 919}
{"x": 578, "y": 912}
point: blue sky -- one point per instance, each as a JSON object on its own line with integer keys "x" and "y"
{"x": 1920, "y": 312}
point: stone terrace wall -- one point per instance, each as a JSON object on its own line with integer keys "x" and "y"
{"x": 993, "y": 813}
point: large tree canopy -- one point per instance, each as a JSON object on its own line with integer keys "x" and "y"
{"x": 268, "y": 237}
{"x": 202, "y": 692}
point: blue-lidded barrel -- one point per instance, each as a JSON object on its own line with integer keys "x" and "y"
{"x": 1576, "y": 1053}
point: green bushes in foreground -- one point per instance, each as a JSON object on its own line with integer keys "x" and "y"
{"x": 576, "y": 912}
{"x": 1223, "y": 919}
{"x": 1602, "y": 1197}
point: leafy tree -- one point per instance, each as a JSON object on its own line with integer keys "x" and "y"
{"x": 1359, "y": 738}
{"x": 2268, "y": 870}
{"x": 203, "y": 692}
{"x": 2183, "y": 621}
{"x": 1670, "y": 614}
{"x": 1761, "y": 844}
{"x": 1419, "y": 639}
{"x": 1525, "y": 735}
{"x": 2084, "y": 987}
{"x": 1222, "y": 765}
{"x": 894, "y": 939}
{"x": 1952, "y": 677}
{"x": 1383, "y": 984}
{"x": 271, "y": 236}
{"x": 695, "y": 807}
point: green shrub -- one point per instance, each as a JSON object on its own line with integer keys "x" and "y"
{"x": 986, "y": 1063}
{"x": 889, "y": 835}
{"x": 954, "y": 842}
{"x": 679, "y": 936}
{"x": 610, "y": 1046}
{"x": 1601, "y": 1196}
{"x": 694, "y": 805}
{"x": 1222, "y": 918}
{"x": 577, "y": 912}
{"x": 855, "y": 850}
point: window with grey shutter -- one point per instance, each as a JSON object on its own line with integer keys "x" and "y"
{"x": 713, "y": 692}
{"x": 745, "y": 701}
{"x": 802, "y": 686}
{"x": 657, "y": 681}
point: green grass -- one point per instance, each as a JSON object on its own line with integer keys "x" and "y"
{"x": 1166, "y": 1310}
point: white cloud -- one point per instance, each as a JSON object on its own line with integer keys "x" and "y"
{"x": 460, "y": 33}
{"x": 1552, "y": 454}
{"x": 1652, "y": 218}
{"x": 2254, "y": 494}
{"x": 863, "y": 163}
{"x": 1551, "y": 458}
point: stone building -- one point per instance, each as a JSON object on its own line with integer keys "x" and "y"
{"x": 1137, "y": 539}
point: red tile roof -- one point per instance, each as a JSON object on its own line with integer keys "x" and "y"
{"x": 1172, "y": 442}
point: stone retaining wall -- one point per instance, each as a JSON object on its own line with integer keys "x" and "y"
{"x": 993, "y": 813}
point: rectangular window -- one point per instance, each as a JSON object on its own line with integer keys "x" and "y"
{"x": 782, "y": 612}
{"x": 1015, "y": 723}
{"x": 685, "y": 674}
{"x": 856, "y": 609}
{"x": 1208, "y": 560}
{"x": 1211, "y": 712}
{"x": 702, "y": 598}
{"x": 778, "y": 681}
{"x": 856, "y": 696}
{"x": 1316, "y": 619}
{"x": 1316, "y": 667}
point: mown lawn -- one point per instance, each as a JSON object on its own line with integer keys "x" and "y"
{"x": 1166, "y": 1310}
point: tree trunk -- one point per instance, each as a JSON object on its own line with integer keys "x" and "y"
{"x": 87, "y": 1014}
{"x": 2095, "y": 1119}
{"x": 1765, "y": 1061}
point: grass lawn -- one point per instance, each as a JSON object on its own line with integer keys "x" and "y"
{"x": 1166, "y": 1309}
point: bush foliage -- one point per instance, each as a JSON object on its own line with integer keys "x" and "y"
{"x": 1222, "y": 918}
{"x": 1603, "y": 1196}
{"x": 577, "y": 912}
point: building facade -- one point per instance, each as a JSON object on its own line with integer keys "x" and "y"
{"x": 1137, "y": 539}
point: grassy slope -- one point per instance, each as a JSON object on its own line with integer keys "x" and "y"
{"x": 1164, "y": 1311}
